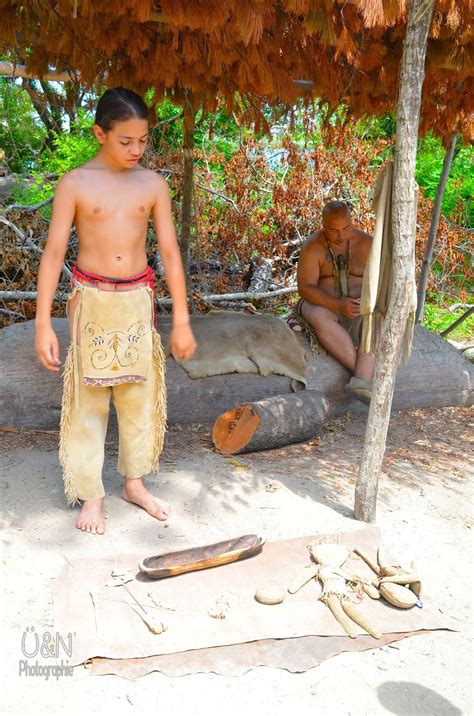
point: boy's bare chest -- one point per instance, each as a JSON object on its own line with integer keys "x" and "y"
{"x": 114, "y": 203}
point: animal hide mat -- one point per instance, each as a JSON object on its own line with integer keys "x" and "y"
{"x": 296, "y": 635}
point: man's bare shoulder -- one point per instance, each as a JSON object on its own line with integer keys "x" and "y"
{"x": 314, "y": 244}
{"x": 362, "y": 237}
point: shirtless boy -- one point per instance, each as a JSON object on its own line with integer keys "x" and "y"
{"x": 336, "y": 318}
{"x": 110, "y": 199}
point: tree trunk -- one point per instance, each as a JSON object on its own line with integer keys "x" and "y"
{"x": 270, "y": 423}
{"x": 30, "y": 396}
{"x": 188, "y": 186}
{"x": 40, "y": 102}
{"x": 430, "y": 243}
{"x": 403, "y": 266}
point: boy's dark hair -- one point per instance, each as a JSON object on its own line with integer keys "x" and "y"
{"x": 118, "y": 105}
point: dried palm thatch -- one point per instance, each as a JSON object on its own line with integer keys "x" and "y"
{"x": 348, "y": 50}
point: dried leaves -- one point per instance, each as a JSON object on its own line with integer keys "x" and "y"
{"x": 267, "y": 203}
{"x": 220, "y": 48}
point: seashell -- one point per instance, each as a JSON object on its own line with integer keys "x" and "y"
{"x": 270, "y": 594}
{"x": 398, "y": 595}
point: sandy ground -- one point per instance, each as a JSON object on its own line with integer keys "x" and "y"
{"x": 424, "y": 512}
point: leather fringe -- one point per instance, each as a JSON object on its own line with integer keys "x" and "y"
{"x": 159, "y": 410}
{"x": 66, "y": 411}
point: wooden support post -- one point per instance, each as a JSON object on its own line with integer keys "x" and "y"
{"x": 433, "y": 232}
{"x": 188, "y": 185}
{"x": 403, "y": 267}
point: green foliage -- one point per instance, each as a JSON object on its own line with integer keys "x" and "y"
{"x": 21, "y": 133}
{"x": 217, "y": 132}
{"x": 378, "y": 127}
{"x": 457, "y": 202}
{"x": 34, "y": 192}
{"x": 437, "y": 318}
{"x": 169, "y": 129}
{"x": 70, "y": 149}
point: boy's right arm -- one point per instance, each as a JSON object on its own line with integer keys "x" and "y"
{"x": 64, "y": 209}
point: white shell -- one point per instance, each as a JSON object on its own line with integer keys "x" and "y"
{"x": 270, "y": 594}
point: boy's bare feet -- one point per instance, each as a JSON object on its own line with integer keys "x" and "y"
{"x": 136, "y": 492}
{"x": 91, "y": 518}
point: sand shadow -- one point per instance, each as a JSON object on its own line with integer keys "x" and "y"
{"x": 408, "y": 697}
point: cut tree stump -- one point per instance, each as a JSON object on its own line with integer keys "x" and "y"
{"x": 274, "y": 422}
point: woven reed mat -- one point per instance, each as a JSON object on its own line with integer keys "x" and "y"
{"x": 297, "y": 634}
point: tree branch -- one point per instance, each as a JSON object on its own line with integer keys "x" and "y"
{"x": 458, "y": 321}
{"x": 403, "y": 258}
{"x": 14, "y": 70}
{"x": 216, "y": 297}
{"x": 29, "y": 209}
{"x": 26, "y": 240}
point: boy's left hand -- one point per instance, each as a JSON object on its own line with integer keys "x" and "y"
{"x": 182, "y": 342}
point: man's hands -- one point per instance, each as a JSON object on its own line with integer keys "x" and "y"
{"x": 349, "y": 307}
{"x": 182, "y": 342}
{"x": 47, "y": 348}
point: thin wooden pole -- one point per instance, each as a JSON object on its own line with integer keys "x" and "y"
{"x": 13, "y": 70}
{"x": 188, "y": 185}
{"x": 433, "y": 232}
{"x": 403, "y": 266}
{"x": 458, "y": 321}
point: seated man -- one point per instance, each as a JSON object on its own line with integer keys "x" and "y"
{"x": 330, "y": 271}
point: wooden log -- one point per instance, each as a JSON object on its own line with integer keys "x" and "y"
{"x": 30, "y": 396}
{"x": 280, "y": 420}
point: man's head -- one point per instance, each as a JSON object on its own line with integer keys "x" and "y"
{"x": 337, "y": 222}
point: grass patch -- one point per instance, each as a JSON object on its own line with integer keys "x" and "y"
{"x": 438, "y": 318}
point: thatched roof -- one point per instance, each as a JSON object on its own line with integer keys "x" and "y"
{"x": 350, "y": 50}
